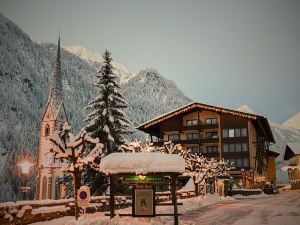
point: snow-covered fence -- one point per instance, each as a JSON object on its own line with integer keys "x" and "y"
{"x": 24, "y": 212}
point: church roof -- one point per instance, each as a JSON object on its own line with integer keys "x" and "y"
{"x": 291, "y": 150}
{"x": 56, "y": 94}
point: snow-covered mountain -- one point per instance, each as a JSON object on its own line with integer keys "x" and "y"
{"x": 245, "y": 109}
{"x": 25, "y": 75}
{"x": 293, "y": 122}
{"x": 94, "y": 58}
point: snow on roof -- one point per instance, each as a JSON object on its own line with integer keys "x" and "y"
{"x": 195, "y": 105}
{"x": 142, "y": 163}
{"x": 295, "y": 147}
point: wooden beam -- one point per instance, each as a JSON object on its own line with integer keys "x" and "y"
{"x": 174, "y": 200}
{"x": 112, "y": 197}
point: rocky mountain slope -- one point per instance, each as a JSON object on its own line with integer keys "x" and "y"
{"x": 25, "y": 75}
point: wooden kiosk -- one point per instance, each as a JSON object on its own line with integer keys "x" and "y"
{"x": 143, "y": 171}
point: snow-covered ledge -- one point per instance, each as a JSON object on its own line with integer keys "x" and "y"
{"x": 142, "y": 163}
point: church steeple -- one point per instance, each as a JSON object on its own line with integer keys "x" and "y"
{"x": 56, "y": 94}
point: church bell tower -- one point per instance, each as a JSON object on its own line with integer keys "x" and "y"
{"x": 54, "y": 116}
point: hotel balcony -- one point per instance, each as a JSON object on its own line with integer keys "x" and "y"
{"x": 190, "y": 141}
{"x": 200, "y": 127}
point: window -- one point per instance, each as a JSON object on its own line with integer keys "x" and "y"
{"x": 192, "y": 122}
{"x": 238, "y": 162}
{"x": 211, "y": 121}
{"x": 245, "y": 163}
{"x": 237, "y": 132}
{"x": 49, "y": 187}
{"x": 232, "y": 163}
{"x": 244, "y": 147}
{"x": 244, "y": 132}
{"x": 231, "y": 147}
{"x": 192, "y": 136}
{"x": 202, "y": 150}
{"x": 225, "y": 148}
{"x": 238, "y": 147}
{"x": 44, "y": 188}
{"x": 212, "y": 149}
{"x": 231, "y": 133}
{"x": 47, "y": 130}
{"x": 193, "y": 149}
{"x": 173, "y": 137}
{"x": 227, "y": 161}
{"x": 211, "y": 134}
{"x": 225, "y": 133}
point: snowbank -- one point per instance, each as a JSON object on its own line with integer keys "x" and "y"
{"x": 188, "y": 205}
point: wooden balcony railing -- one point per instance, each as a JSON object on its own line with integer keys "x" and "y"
{"x": 190, "y": 141}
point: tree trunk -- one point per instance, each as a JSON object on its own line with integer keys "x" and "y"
{"x": 196, "y": 189}
{"x": 77, "y": 184}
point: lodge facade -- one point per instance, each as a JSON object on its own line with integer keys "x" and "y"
{"x": 240, "y": 138}
{"x": 292, "y": 154}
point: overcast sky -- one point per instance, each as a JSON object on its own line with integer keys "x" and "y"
{"x": 225, "y": 53}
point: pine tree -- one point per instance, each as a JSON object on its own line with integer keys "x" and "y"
{"x": 107, "y": 121}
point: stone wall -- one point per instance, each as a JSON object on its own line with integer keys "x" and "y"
{"x": 25, "y": 212}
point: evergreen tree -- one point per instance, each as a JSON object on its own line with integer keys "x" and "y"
{"x": 107, "y": 121}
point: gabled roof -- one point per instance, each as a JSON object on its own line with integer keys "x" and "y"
{"x": 291, "y": 150}
{"x": 272, "y": 153}
{"x": 262, "y": 121}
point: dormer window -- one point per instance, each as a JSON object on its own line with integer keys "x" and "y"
{"x": 47, "y": 130}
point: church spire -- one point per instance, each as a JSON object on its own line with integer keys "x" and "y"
{"x": 56, "y": 89}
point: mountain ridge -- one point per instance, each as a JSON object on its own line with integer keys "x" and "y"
{"x": 95, "y": 59}
{"x": 293, "y": 121}
{"x": 25, "y": 76}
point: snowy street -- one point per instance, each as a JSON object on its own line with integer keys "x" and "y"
{"x": 281, "y": 209}
{"x": 275, "y": 209}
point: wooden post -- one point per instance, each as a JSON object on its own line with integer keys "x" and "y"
{"x": 174, "y": 200}
{"x": 112, "y": 197}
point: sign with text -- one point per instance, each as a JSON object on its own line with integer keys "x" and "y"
{"x": 142, "y": 179}
{"x": 143, "y": 202}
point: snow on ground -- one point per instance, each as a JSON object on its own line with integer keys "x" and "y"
{"x": 277, "y": 209}
{"x": 100, "y": 219}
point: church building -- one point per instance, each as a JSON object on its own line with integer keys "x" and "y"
{"x": 55, "y": 115}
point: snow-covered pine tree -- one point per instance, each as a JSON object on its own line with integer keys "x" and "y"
{"x": 107, "y": 121}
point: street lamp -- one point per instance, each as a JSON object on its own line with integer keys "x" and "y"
{"x": 25, "y": 169}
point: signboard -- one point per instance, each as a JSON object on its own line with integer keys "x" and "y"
{"x": 83, "y": 196}
{"x": 143, "y": 202}
{"x": 142, "y": 179}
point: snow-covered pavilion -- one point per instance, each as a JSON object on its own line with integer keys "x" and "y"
{"x": 143, "y": 171}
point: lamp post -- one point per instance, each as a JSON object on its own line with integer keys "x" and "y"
{"x": 25, "y": 169}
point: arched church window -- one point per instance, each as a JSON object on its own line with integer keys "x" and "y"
{"x": 44, "y": 188}
{"x": 47, "y": 130}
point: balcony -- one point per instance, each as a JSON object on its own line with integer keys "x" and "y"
{"x": 209, "y": 140}
{"x": 189, "y": 141}
{"x": 199, "y": 127}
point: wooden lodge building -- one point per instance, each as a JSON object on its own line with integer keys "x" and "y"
{"x": 240, "y": 138}
{"x": 292, "y": 154}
